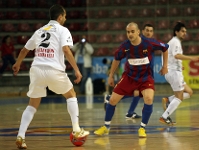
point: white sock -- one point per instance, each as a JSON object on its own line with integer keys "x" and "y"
{"x": 171, "y": 98}
{"x": 26, "y": 118}
{"x": 185, "y": 96}
{"x": 73, "y": 110}
{"x": 142, "y": 124}
{"x": 172, "y": 107}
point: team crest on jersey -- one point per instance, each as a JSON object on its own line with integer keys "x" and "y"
{"x": 48, "y": 28}
{"x": 145, "y": 51}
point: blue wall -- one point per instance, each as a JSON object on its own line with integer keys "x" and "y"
{"x": 99, "y": 69}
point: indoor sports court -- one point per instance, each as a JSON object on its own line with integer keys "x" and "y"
{"x": 51, "y": 125}
{"x": 103, "y": 22}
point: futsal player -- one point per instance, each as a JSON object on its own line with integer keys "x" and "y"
{"x": 138, "y": 75}
{"x": 174, "y": 76}
{"x": 51, "y": 43}
{"x": 147, "y": 31}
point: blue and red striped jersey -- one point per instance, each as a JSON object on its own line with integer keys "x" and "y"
{"x": 139, "y": 59}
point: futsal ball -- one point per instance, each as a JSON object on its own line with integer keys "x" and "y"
{"x": 77, "y": 141}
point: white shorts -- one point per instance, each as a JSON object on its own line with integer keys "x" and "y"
{"x": 44, "y": 76}
{"x": 176, "y": 80}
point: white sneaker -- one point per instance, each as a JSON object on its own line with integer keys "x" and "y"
{"x": 82, "y": 133}
{"x": 21, "y": 144}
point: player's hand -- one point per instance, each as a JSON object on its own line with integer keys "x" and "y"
{"x": 78, "y": 77}
{"x": 163, "y": 71}
{"x": 111, "y": 81}
{"x": 15, "y": 68}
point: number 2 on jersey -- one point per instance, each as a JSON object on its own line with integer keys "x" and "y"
{"x": 44, "y": 42}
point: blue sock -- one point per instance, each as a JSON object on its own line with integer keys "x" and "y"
{"x": 109, "y": 114}
{"x": 146, "y": 113}
{"x": 133, "y": 105}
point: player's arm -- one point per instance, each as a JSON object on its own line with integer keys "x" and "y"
{"x": 185, "y": 57}
{"x": 119, "y": 55}
{"x": 69, "y": 56}
{"x": 164, "y": 69}
{"x": 19, "y": 60}
{"x": 30, "y": 45}
{"x": 114, "y": 66}
{"x": 158, "y": 45}
{"x": 177, "y": 52}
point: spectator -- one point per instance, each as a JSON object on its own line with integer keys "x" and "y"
{"x": 83, "y": 51}
{"x": 7, "y": 53}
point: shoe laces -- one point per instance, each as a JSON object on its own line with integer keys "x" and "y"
{"x": 79, "y": 134}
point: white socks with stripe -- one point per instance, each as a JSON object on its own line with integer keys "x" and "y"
{"x": 172, "y": 107}
{"x": 26, "y": 118}
{"x": 73, "y": 110}
{"x": 185, "y": 96}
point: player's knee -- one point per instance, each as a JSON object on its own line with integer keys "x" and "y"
{"x": 148, "y": 100}
{"x": 113, "y": 102}
{"x": 70, "y": 93}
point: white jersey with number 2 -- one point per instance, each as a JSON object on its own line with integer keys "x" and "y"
{"x": 47, "y": 43}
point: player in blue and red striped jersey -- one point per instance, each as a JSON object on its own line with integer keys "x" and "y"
{"x": 147, "y": 32}
{"x": 138, "y": 75}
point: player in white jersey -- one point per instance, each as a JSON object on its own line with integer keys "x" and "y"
{"x": 51, "y": 43}
{"x": 174, "y": 76}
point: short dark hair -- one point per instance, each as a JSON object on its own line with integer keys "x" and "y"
{"x": 178, "y": 27}
{"x": 147, "y": 25}
{"x": 55, "y": 11}
{"x": 5, "y": 38}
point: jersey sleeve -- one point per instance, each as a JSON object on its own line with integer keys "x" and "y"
{"x": 66, "y": 38}
{"x": 158, "y": 45}
{"x": 120, "y": 52}
{"x": 31, "y": 43}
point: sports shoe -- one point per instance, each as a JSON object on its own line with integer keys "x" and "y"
{"x": 102, "y": 131}
{"x": 106, "y": 100}
{"x": 165, "y": 103}
{"x": 165, "y": 121}
{"x": 80, "y": 134}
{"x": 132, "y": 116}
{"x": 141, "y": 132}
{"x": 21, "y": 144}
{"x": 173, "y": 122}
